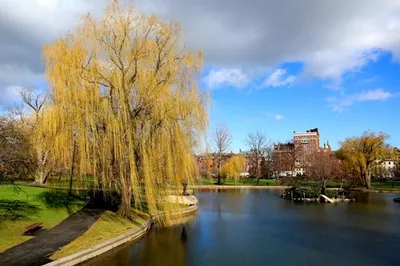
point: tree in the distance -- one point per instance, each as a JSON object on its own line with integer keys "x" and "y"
{"x": 31, "y": 114}
{"x": 362, "y": 154}
{"x": 267, "y": 163}
{"x": 233, "y": 168}
{"x": 17, "y": 155}
{"x": 322, "y": 167}
{"x": 222, "y": 139}
{"x": 258, "y": 144}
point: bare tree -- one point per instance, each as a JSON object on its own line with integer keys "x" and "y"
{"x": 286, "y": 158}
{"x": 267, "y": 163}
{"x": 35, "y": 101}
{"x": 17, "y": 157}
{"x": 322, "y": 167}
{"x": 258, "y": 144}
{"x": 222, "y": 139}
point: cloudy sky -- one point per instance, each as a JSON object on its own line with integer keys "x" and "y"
{"x": 275, "y": 66}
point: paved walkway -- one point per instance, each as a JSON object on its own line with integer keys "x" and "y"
{"x": 38, "y": 250}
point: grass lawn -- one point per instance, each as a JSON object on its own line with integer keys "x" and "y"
{"x": 62, "y": 182}
{"x": 376, "y": 185}
{"x": 22, "y": 207}
{"x": 109, "y": 225}
{"x": 387, "y": 185}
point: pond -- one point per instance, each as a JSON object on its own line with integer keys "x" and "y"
{"x": 256, "y": 227}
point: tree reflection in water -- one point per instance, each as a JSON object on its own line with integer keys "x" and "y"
{"x": 161, "y": 246}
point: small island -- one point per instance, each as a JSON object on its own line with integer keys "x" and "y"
{"x": 311, "y": 194}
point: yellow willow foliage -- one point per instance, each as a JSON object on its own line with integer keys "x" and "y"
{"x": 361, "y": 154}
{"x": 125, "y": 90}
{"x": 234, "y": 167}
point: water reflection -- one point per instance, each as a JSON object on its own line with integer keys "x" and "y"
{"x": 258, "y": 228}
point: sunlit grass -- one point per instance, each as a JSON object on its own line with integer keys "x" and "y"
{"x": 388, "y": 185}
{"x": 22, "y": 207}
{"x": 109, "y": 225}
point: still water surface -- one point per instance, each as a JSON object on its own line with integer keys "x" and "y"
{"x": 256, "y": 227}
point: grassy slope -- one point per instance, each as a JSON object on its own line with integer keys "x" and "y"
{"x": 20, "y": 209}
{"x": 108, "y": 226}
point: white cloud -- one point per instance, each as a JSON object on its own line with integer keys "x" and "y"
{"x": 278, "y": 78}
{"x": 274, "y": 116}
{"x": 10, "y": 96}
{"x": 227, "y": 77}
{"x": 330, "y": 37}
{"x": 374, "y": 95}
{"x": 342, "y": 103}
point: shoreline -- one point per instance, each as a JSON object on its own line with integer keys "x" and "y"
{"x": 235, "y": 187}
{"x": 376, "y": 190}
{"x": 117, "y": 241}
{"x": 215, "y": 187}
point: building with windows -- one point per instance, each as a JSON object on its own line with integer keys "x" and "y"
{"x": 208, "y": 163}
{"x": 283, "y": 159}
{"x": 290, "y": 158}
{"x": 389, "y": 167}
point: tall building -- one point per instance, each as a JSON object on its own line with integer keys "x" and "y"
{"x": 305, "y": 144}
{"x": 306, "y": 141}
{"x": 291, "y": 158}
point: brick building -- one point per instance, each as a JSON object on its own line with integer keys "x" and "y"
{"x": 283, "y": 159}
{"x": 291, "y": 158}
{"x": 208, "y": 163}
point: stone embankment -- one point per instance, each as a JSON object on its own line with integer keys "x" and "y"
{"x": 110, "y": 244}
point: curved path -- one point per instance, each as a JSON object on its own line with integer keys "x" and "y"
{"x": 38, "y": 250}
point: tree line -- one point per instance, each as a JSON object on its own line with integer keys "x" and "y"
{"x": 357, "y": 160}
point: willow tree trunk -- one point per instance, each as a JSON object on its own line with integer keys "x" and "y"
{"x": 367, "y": 179}
{"x": 72, "y": 169}
{"x": 126, "y": 197}
{"x": 219, "y": 177}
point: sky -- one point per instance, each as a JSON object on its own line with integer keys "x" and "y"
{"x": 273, "y": 66}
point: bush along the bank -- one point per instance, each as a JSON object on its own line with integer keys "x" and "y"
{"x": 313, "y": 193}
{"x": 301, "y": 192}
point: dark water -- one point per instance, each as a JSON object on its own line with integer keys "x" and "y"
{"x": 256, "y": 227}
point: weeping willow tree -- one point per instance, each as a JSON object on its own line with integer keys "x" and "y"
{"x": 124, "y": 94}
{"x": 234, "y": 167}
